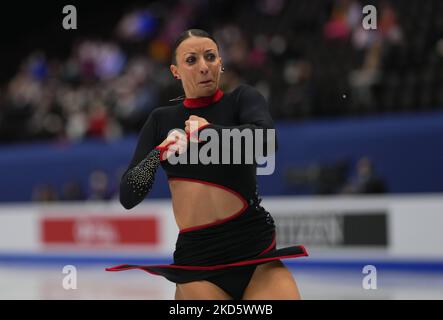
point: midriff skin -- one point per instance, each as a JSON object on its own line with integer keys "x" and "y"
{"x": 196, "y": 204}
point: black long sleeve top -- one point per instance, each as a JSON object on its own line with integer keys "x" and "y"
{"x": 243, "y": 108}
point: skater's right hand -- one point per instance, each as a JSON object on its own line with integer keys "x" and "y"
{"x": 176, "y": 141}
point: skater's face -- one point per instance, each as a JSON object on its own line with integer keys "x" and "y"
{"x": 198, "y": 66}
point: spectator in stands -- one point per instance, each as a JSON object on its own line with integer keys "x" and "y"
{"x": 366, "y": 181}
{"x": 44, "y": 193}
{"x": 108, "y": 88}
{"x": 99, "y": 186}
{"x": 72, "y": 191}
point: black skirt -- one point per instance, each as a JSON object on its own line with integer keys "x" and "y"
{"x": 246, "y": 238}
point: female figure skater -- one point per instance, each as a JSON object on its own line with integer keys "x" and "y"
{"x": 226, "y": 247}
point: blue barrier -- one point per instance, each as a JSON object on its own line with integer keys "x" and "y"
{"x": 407, "y": 150}
{"x": 432, "y": 266}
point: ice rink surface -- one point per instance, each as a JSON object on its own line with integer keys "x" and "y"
{"x": 45, "y": 281}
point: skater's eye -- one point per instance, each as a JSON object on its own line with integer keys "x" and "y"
{"x": 190, "y": 60}
{"x": 210, "y": 56}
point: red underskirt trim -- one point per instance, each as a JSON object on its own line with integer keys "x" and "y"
{"x": 216, "y": 267}
{"x": 272, "y": 245}
{"x": 203, "y": 101}
{"x": 245, "y": 204}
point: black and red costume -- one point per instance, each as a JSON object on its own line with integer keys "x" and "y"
{"x": 224, "y": 252}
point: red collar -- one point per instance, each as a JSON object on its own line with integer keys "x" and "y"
{"x": 203, "y": 101}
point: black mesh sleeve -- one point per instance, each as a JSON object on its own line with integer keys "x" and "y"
{"x": 138, "y": 179}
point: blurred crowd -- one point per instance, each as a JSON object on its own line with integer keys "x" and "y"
{"x": 308, "y": 58}
{"x": 100, "y": 187}
{"x": 345, "y": 176}
{"x": 341, "y": 177}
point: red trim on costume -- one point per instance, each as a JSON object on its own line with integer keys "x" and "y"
{"x": 272, "y": 245}
{"x": 163, "y": 149}
{"x": 245, "y": 204}
{"x": 216, "y": 267}
{"x": 203, "y": 101}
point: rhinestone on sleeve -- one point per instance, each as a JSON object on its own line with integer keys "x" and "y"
{"x": 141, "y": 177}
